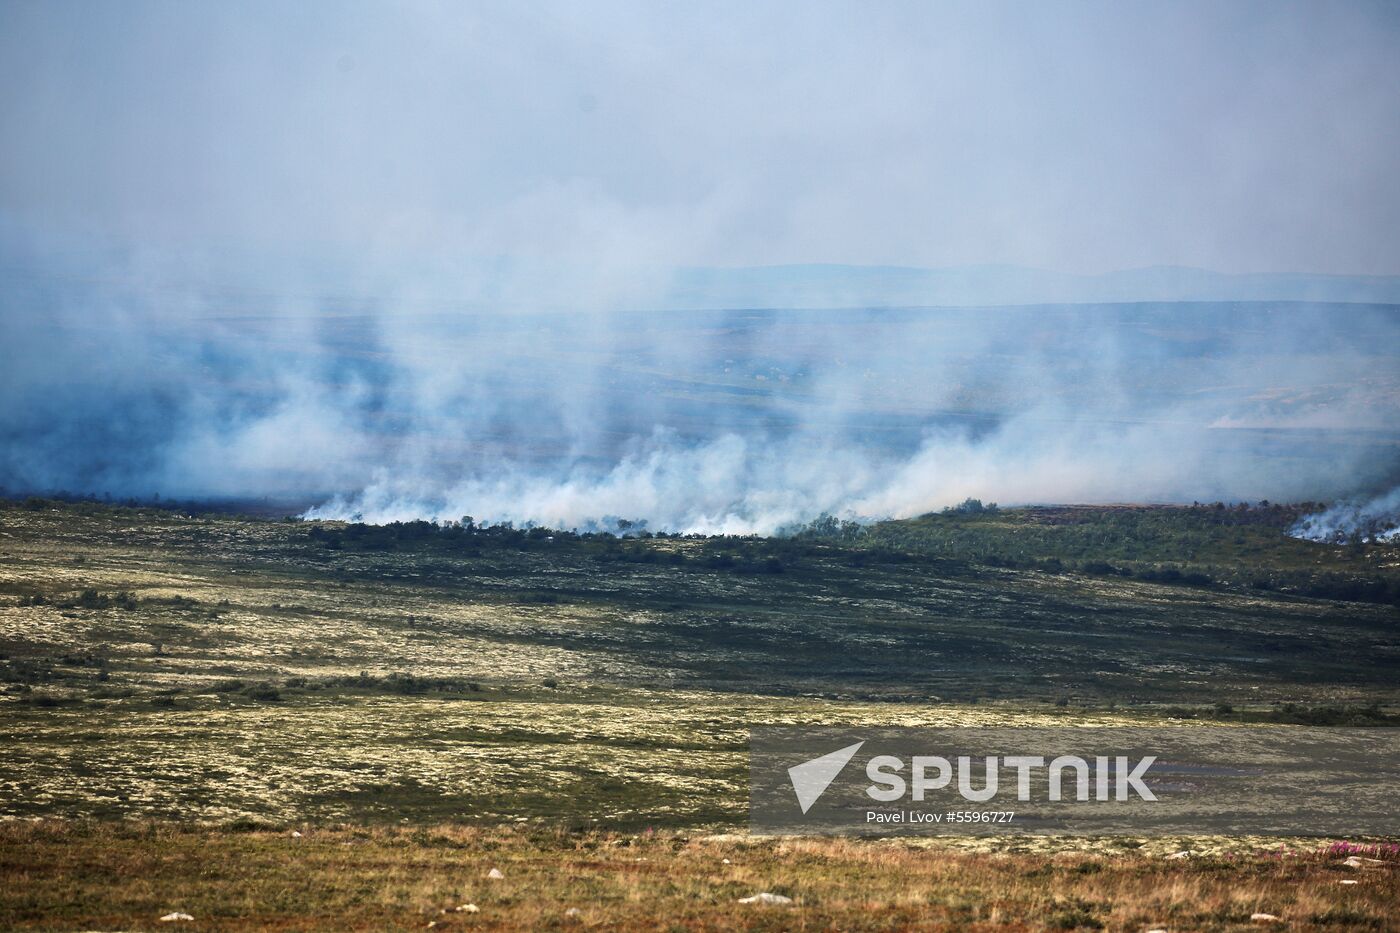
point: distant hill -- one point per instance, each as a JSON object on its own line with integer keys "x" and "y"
{"x": 834, "y": 286}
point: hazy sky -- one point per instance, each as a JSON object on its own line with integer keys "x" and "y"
{"x": 1072, "y": 136}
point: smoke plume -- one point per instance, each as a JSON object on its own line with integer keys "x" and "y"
{"x": 716, "y": 268}
{"x": 136, "y": 383}
{"x": 1375, "y": 519}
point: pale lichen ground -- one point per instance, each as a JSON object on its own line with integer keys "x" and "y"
{"x": 624, "y": 757}
{"x": 577, "y": 708}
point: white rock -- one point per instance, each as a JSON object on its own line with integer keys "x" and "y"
{"x": 573, "y": 912}
{"x": 1184, "y": 853}
{"x": 1348, "y": 881}
{"x": 1357, "y": 861}
{"x": 175, "y": 915}
{"x": 468, "y": 909}
{"x": 726, "y": 861}
{"x": 1263, "y": 918}
{"x": 495, "y": 874}
{"x": 295, "y": 834}
{"x": 766, "y": 898}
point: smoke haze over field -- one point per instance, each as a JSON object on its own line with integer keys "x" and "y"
{"x": 527, "y": 262}
{"x": 725, "y": 420}
{"x": 1376, "y": 519}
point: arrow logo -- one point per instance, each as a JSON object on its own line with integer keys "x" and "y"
{"x": 811, "y": 778}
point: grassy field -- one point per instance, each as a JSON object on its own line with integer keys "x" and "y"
{"x": 74, "y": 876}
{"x": 565, "y": 705}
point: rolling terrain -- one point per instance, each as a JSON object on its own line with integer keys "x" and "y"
{"x": 271, "y": 723}
{"x": 165, "y": 664}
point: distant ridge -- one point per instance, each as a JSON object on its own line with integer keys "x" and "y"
{"x": 833, "y": 286}
{"x": 235, "y": 284}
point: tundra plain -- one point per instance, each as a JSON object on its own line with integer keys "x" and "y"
{"x": 183, "y": 690}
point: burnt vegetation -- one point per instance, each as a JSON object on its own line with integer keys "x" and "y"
{"x": 1242, "y": 546}
{"x": 1085, "y": 605}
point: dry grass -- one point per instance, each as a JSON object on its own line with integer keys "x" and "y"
{"x": 65, "y": 875}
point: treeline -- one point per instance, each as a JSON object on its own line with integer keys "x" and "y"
{"x": 390, "y": 536}
{"x": 1242, "y": 546}
{"x": 744, "y": 554}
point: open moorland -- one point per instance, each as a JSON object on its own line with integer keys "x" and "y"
{"x": 182, "y": 690}
{"x": 114, "y": 876}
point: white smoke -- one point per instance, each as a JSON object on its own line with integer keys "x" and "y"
{"x": 1374, "y": 520}
{"x": 501, "y": 260}
{"x": 728, "y": 485}
{"x": 758, "y": 485}
{"x": 731, "y": 421}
